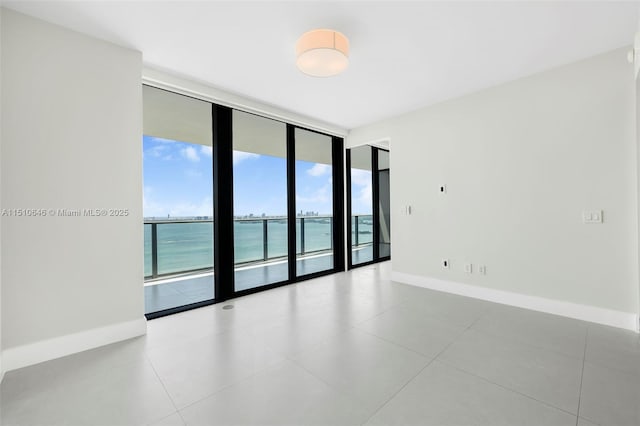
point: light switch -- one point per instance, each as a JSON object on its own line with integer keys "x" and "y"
{"x": 592, "y": 216}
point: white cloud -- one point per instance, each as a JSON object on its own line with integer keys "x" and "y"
{"x": 322, "y": 195}
{"x": 149, "y": 207}
{"x": 157, "y": 151}
{"x": 360, "y": 177}
{"x": 319, "y": 169}
{"x": 152, "y": 208}
{"x": 240, "y": 156}
{"x": 206, "y": 151}
{"x": 190, "y": 154}
{"x": 365, "y": 195}
{"x": 362, "y": 191}
{"x": 204, "y": 208}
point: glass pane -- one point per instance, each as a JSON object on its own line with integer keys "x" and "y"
{"x": 298, "y": 236}
{"x": 314, "y": 202}
{"x": 384, "y": 204}
{"x": 185, "y": 246}
{"x": 361, "y": 205}
{"x": 248, "y": 240}
{"x": 178, "y": 200}
{"x": 277, "y": 243}
{"x": 318, "y": 234}
{"x": 147, "y": 250}
{"x": 259, "y": 201}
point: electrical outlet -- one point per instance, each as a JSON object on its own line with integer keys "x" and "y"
{"x": 482, "y": 269}
{"x": 468, "y": 268}
{"x": 445, "y": 263}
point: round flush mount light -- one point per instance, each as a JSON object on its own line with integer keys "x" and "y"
{"x": 322, "y": 53}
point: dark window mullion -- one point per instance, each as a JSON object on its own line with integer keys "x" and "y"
{"x": 337, "y": 153}
{"x": 291, "y": 200}
{"x": 223, "y": 201}
{"x": 349, "y": 213}
{"x": 375, "y": 184}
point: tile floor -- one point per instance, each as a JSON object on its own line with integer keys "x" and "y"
{"x": 348, "y": 349}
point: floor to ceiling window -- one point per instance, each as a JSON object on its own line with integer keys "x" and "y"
{"x": 259, "y": 201}
{"x": 314, "y": 202}
{"x": 178, "y": 201}
{"x": 361, "y": 202}
{"x": 368, "y": 205}
{"x": 259, "y": 198}
{"x": 384, "y": 205}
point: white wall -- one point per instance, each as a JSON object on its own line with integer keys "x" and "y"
{"x": 637, "y": 81}
{"x": 178, "y": 84}
{"x": 71, "y": 139}
{"x": 1, "y": 367}
{"x": 521, "y": 162}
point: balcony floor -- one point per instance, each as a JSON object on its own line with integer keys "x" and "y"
{"x": 185, "y": 290}
{"x": 362, "y": 254}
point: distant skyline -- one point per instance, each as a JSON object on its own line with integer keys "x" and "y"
{"x": 178, "y": 182}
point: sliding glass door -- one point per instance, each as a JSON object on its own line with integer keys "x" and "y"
{"x": 178, "y": 201}
{"x": 368, "y": 205}
{"x": 384, "y": 205}
{"x": 361, "y": 197}
{"x": 313, "y": 202}
{"x": 259, "y": 198}
{"x": 260, "y": 238}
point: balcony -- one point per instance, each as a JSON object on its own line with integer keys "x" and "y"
{"x": 178, "y": 254}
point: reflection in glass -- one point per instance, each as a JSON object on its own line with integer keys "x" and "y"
{"x": 384, "y": 207}
{"x": 361, "y": 206}
{"x": 259, "y": 201}
{"x": 314, "y": 202}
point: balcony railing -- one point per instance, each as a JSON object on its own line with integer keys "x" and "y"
{"x": 361, "y": 230}
{"x": 174, "y": 247}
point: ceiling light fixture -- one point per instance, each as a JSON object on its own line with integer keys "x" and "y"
{"x": 322, "y": 53}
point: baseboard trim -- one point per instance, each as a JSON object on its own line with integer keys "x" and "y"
{"x": 626, "y": 320}
{"x": 45, "y": 350}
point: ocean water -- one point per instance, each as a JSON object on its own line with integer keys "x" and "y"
{"x": 188, "y": 246}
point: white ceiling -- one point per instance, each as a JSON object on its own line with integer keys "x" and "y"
{"x": 404, "y": 55}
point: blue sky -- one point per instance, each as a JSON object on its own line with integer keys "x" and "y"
{"x": 178, "y": 181}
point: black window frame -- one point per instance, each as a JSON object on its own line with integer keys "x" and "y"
{"x": 375, "y": 188}
{"x": 223, "y": 220}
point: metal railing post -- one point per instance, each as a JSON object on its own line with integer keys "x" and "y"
{"x": 302, "y": 235}
{"x": 357, "y": 231}
{"x": 265, "y": 240}
{"x": 266, "y": 255}
{"x": 331, "y": 233}
{"x": 154, "y": 250}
